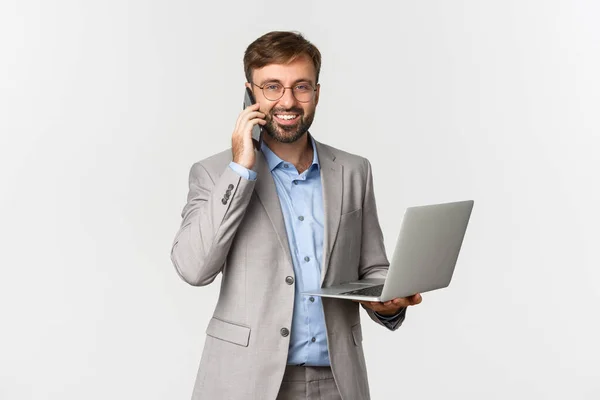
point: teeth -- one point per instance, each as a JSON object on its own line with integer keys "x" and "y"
{"x": 286, "y": 117}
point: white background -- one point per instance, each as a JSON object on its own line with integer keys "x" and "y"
{"x": 104, "y": 106}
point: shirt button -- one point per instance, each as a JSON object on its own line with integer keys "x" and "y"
{"x": 312, "y": 299}
{"x": 284, "y": 332}
{"x": 301, "y": 218}
{"x": 289, "y": 280}
{"x": 307, "y": 258}
{"x": 313, "y": 339}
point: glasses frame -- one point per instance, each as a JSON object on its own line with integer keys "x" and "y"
{"x": 283, "y": 93}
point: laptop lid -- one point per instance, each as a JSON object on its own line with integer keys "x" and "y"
{"x": 427, "y": 248}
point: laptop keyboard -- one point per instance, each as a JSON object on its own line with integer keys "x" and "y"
{"x": 374, "y": 291}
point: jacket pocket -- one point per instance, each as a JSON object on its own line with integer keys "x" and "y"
{"x": 357, "y": 334}
{"x": 353, "y": 214}
{"x": 229, "y": 332}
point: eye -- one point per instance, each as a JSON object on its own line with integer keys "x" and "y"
{"x": 272, "y": 87}
{"x": 303, "y": 87}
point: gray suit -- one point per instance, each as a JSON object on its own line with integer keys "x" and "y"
{"x": 236, "y": 227}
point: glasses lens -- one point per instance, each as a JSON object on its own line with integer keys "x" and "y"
{"x": 273, "y": 91}
{"x": 303, "y": 92}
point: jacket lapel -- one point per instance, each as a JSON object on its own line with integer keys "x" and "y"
{"x": 331, "y": 181}
{"x": 267, "y": 193}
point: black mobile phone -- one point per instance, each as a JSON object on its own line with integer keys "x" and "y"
{"x": 256, "y": 129}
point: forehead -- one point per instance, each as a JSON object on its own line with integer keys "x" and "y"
{"x": 301, "y": 68}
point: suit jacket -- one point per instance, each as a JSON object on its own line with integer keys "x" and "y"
{"x": 235, "y": 227}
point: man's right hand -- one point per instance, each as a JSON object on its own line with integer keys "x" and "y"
{"x": 241, "y": 140}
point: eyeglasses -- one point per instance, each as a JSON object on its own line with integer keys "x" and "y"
{"x": 303, "y": 92}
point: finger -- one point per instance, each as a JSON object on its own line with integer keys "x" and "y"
{"x": 244, "y": 119}
{"x": 417, "y": 299}
{"x": 243, "y": 115}
{"x": 260, "y": 121}
{"x": 256, "y": 114}
{"x": 400, "y": 302}
{"x": 410, "y": 300}
{"x": 257, "y": 120}
{"x": 247, "y": 127}
{"x": 252, "y": 107}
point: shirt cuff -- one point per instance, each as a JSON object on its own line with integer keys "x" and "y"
{"x": 244, "y": 172}
{"x": 393, "y": 321}
{"x": 391, "y": 318}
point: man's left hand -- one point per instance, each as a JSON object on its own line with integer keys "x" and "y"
{"x": 392, "y": 307}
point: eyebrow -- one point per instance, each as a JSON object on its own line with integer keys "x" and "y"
{"x": 269, "y": 80}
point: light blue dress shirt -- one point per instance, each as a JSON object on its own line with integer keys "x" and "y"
{"x": 301, "y": 199}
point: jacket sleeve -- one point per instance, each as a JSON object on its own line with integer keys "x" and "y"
{"x": 373, "y": 259}
{"x": 215, "y": 207}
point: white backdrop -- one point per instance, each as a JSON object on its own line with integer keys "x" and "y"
{"x": 104, "y": 106}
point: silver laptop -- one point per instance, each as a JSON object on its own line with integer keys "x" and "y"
{"x": 424, "y": 259}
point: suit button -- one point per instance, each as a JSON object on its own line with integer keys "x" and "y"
{"x": 224, "y": 200}
{"x": 289, "y": 280}
{"x": 230, "y": 187}
{"x": 284, "y": 332}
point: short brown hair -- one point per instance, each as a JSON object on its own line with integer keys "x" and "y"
{"x": 279, "y": 48}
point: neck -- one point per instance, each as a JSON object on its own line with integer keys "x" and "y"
{"x": 298, "y": 153}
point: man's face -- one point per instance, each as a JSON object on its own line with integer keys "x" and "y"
{"x": 287, "y": 118}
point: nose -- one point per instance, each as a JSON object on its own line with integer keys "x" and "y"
{"x": 287, "y": 100}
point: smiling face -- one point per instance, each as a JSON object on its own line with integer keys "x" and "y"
{"x": 287, "y": 118}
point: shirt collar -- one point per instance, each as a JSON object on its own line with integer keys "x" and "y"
{"x": 273, "y": 160}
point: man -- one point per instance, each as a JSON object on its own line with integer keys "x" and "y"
{"x": 294, "y": 216}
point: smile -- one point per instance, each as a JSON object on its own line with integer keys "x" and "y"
{"x": 286, "y": 117}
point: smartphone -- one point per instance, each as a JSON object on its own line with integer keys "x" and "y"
{"x": 256, "y": 129}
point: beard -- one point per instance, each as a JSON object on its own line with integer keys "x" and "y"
{"x": 291, "y": 133}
